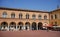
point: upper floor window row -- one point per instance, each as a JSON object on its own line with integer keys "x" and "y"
{"x": 4, "y": 15}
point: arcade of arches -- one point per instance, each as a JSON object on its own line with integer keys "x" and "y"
{"x": 13, "y": 27}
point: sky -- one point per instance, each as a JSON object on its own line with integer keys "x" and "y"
{"x": 42, "y": 5}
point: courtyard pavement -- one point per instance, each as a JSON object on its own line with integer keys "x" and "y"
{"x": 34, "y": 33}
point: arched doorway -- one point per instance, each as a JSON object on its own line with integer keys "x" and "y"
{"x": 40, "y": 25}
{"x": 34, "y": 26}
{"x": 27, "y": 25}
{"x": 4, "y": 26}
{"x": 20, "y": 26}
{"x": 12, "y": 26}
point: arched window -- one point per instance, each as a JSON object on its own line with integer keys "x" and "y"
{"x": 51, "y": 16}
{"x": 33, "y": 16}
{"x": 4, "y": 15}
{"x": 45, "y": 17}
{"x": 39, "y": 17}
{"x": 55, "y": 16}
{"x": 27, "y": 16}
{"x": 13, "y": 15}
{"x": 20, "y": 16}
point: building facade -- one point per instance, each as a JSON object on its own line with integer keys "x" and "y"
{"x": 55, "y": 17}
{"x": 20, "y": 19}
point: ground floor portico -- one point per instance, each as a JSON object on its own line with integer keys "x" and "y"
{"x": 13, "y": 27}
{"x": 17, "y": 24}
{"x": 20, "y": 26}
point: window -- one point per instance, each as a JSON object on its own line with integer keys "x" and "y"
{"x": 27, "y": 16}
{"x": 55, "y": 16}
{"x": 20, "y": 16}
{"x": 45, "y": 17}
{"x": 55, "y": 23}
{"x": 4, "y": 15}
{"x": 39, "y": 17}
{"x": 12, "y": 15}
{"x": 51, "y": 16}
{"x": 34, "y": 16}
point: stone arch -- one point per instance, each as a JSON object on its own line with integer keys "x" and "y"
{"x": 12, "y": 26}
{"x": 4, "y": 26}
{"x": 40, "y": 25}
{"x": 20, "y": 26}
{"x": 34, "y": 26}
{"x": 27, "y": 25}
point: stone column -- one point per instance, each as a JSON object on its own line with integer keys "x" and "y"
{"x": 24, "y": 27}
{"x": 30, "y": 27}
{"x": 8, "y": 27}
{"x": 37, "y": 26}
{"x": 16, "y": 27}
{"x": 0, "y": 26}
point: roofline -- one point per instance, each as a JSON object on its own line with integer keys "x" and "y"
{"x": 55, "y": 10}
{"x": 16, "y": 9}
